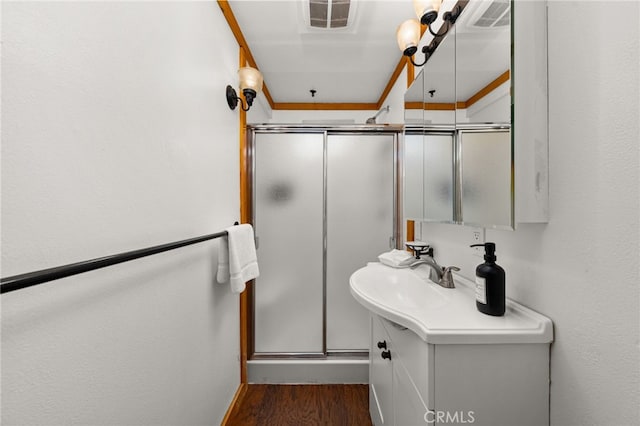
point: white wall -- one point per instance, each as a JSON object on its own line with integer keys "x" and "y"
{"x": 582, "y": 269}
{"x": 116, "y": 136}
{"x": 492, "y": 108}
{"x": 395, "y": 101}
{"x": 323, "y": 117}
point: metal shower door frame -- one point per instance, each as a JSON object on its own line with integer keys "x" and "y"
{"x": 326, "y": 131}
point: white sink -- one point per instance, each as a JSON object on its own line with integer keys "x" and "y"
{"x": 442, "y": 315}
{"x": 398, "y": 289}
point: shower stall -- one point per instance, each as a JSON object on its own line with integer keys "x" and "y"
{"x": 324, "y": 203}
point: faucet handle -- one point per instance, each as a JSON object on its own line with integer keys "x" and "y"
{"x": 447, "y": 279}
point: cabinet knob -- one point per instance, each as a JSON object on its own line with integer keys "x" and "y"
{"x": 382, "y": 345}
{"x": 386, "y": 355}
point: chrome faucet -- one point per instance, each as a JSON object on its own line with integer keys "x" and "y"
{"x": 443, "y": 275}
{"x": 429, "y": 261}
{"x": 447, "y": 279}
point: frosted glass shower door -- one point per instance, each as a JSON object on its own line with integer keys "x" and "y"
{"x": 487, "y": 177}
{"x": 360, "y": 216}
{"x": 413, "y": 176}
{"x": 438, "y": 178}
{"x": 288, "y": 211}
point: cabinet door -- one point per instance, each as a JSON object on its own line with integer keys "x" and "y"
{"x": 409, "y": 408}
{"x": 380, "y": 376}
{"x": 416, "y": 357}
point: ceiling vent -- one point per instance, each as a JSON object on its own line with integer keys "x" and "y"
{"x": 490, "y": 14}
{"x": 329, "y": 14}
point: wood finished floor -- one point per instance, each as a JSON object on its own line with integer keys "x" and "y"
{"x": 303, "y": 405}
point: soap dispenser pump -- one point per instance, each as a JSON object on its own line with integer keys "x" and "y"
{"x": 490, "y": 291}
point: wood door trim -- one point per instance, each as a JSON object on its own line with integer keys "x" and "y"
{"x": 392, "y": 81}
{"x": 307, "y": 106}
{"x": 502, "y": 78}
{"x": 411, "y": 73}
{"x": 235, "y": 403}
{"x": 411, "y": 230}
{"x": 242, "y": 43}
{"x": 432, "y": 106}
{"x": 246, "y": 297}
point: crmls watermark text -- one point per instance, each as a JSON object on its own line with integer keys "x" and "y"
{"x": 459, "y": 417}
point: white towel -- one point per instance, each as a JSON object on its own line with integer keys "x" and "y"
{"x": 237, "y": 260}
{"x": 396, "y": 258}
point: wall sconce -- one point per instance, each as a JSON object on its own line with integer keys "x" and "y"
{"x": 250, "y": 84}
{"x": 427, "y": 11}
{"x": 408, "y": 33}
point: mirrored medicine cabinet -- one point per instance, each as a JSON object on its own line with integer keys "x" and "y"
{"x": 475, "y": 143}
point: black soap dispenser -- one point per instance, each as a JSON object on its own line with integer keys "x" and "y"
{"x": 490, "y": 294}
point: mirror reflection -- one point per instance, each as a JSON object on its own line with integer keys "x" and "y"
{"x": 413, "y": 174}
{"x": 438, "y": 176}
{"x": 485, "y": 184}
{"x": 483, "y": 62}
{"x": 458, "y": 148}
{"x": 413, "y": 102}
{"x": 440, "y": 83}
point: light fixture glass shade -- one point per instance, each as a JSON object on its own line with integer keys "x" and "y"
{"x": 408, "y": 34}
{"x": 250, "y": 78}
{"x": 427, "y": 7}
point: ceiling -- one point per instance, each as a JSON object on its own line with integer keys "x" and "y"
{"x": 354, "y": 65}
{"x": 345, "y": 65}
{"x": 460, "y": 69}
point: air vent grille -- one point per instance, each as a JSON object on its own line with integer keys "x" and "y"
{"x": 318, "y": 11}
{"x": 495, "y": 15}
{"x": 329, "y": 13}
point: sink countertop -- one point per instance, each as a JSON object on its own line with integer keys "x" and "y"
{"x": 441, "y": 315}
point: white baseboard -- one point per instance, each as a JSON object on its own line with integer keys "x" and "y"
{"x": 308, "y": 371}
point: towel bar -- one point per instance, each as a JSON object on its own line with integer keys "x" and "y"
{"x": 17, "y": 282}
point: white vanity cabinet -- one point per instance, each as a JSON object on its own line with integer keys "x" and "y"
{"x": 418, "y": 383}
{"x": 435, "y": 360}
{"x": 380, "y": 375}
{"x": 397, "y": 361}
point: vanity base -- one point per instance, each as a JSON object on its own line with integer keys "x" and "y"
{"x": 416, "y": 383}
{"x": 308, "y": 371}
{"x": 500, "y": 384}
